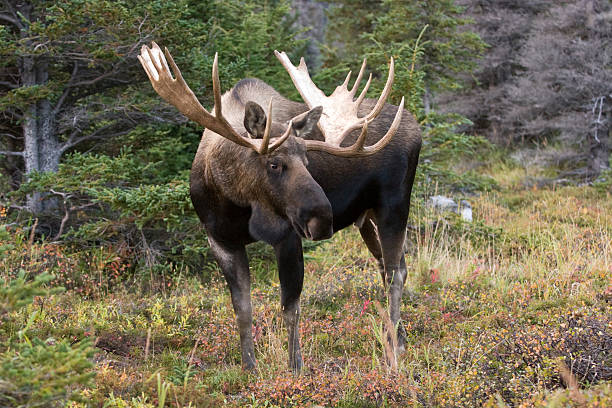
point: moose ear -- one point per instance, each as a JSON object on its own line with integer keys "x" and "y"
{"x": 306, "y": 122}
{"x": 254, "y": 120}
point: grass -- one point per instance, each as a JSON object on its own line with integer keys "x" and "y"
{"x": 510, "y": 310}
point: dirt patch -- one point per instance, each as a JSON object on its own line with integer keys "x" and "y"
{"x": 126, "y": 345}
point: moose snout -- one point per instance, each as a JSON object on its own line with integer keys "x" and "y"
{"x": 316, "y": 222}
{"x": 319, "y": 228}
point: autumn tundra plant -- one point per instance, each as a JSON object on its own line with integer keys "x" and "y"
{"x": 295, "y": 171}
{"x": 34, "y": 371}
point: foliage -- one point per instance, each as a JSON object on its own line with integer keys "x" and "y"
{"x": 490, "y": 310}
{"x": 131, "y": 191}
{"x": 92, "y": 88}
{"x": 36, "y": 372}
{"x": 430, "y": 48}
{"x": 381, "y": 29}
{"x": 132, "y": 201}
{"x": 17, "y": 293}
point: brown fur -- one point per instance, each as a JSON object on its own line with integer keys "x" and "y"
{"x": 240, "y": 199}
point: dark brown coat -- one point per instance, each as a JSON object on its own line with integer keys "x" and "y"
{"x": 239, "y": 201}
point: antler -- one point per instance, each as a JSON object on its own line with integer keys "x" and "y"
{"x": 357, "y": 149}
{"x": 177, "y": 92}
{"x": 340, "y": 111}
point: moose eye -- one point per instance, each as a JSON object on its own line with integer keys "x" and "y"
{"x": 275, "y": 167}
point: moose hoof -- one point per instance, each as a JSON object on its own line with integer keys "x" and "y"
{"x": 401, "y": 339}
{"x": 248, "y": 364}
{"x": 296, "y": 365}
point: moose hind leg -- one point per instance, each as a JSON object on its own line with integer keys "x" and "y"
{"x": 369, "y": 233}
{"x": 392, "y": 232}
{"x": 235, "y": 267}
{"x": 291, "y": 276}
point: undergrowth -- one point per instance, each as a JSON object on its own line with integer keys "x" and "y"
{"x": 512, "y": 309}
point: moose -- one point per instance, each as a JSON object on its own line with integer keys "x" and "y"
{"x": 291, "y": 171}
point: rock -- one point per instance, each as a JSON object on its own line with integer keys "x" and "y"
{"x": 442, "y": 204}
{"x": 466, "y": 211}
{"x": 445, "y": 204}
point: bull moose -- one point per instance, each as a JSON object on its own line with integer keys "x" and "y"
{"x": 291, "y": 171}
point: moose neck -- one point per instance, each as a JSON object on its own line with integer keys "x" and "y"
{"x": 231, "y": 169}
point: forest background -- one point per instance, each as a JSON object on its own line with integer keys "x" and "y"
{"x": 514, "y": 98}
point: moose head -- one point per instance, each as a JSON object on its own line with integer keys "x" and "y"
{"x": 271, "y": 175}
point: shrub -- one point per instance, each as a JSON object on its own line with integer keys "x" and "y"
{"x": 36, "y": 372}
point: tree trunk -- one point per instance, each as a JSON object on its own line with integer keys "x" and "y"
{"x": 41, "y": 148}
{"x": 601, "y": 143}
{"x": 427, "y": 101}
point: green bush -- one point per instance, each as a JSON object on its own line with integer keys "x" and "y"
{"x": 129, "y": 202}
{"x": 36, "y": 372}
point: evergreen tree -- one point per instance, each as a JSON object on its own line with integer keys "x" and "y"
{"x": 381, "y": 29}
{"x": 131, "y": 188}
{"x": 69, "y": 73}
{"x": 433, "y": 50}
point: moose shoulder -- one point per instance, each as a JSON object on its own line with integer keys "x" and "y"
{"x": 291, "y": 171}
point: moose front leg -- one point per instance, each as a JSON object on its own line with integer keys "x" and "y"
{"x": 291, "y": 276}
{"x": 235, "y": 267}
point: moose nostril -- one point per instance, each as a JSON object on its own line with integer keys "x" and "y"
{"x": 319, "y": 228}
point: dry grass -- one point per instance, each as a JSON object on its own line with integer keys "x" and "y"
{"x": 506, "y": 311}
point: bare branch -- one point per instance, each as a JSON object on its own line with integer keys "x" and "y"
{"x": 64, "y": 196}
{"x": 62, "y": 98}
{"x": 98, "y": 134}
{"x": 8, "y": 84}
{"x": 19, "y": 208}
{"x": 14, "y": 15}
{"x": 93, "y": 81}
{"x": 66, "y": 217}
{"x": 142, "y": 23}
{"x": 8, "y": 19}
{"x": 12, "y": 136}
{"x": 11, "y": 153}
{"x": 13, "y": 112}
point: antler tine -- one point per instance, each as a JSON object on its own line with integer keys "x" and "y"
{"x": 357, "y": 149}
{"x": 312, "y": 95}
{"x": 363, "y": 92}
{"x": 340, "y": 109}
{"x": 216, "y": 86}
{"x": 346, "y": 80}
{"x": 175, "y": 68}
{"x": 385, "y": 93}
{"x": 358, "y": 80}
{"x": 177, "y": 92}
{"x": 263, "y": 149}
{"x": 392, "y": 129}
{"x": 362, "y": 136}
{"x": 281, "y": 139}
{"x": 377, "y": 108}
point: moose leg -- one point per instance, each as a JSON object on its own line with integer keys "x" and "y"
{"x": 291, "y": 276}
{"x": 392, "y": 232}
{"x": 235, "y": 267}
{"x": 369, "y": 233}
